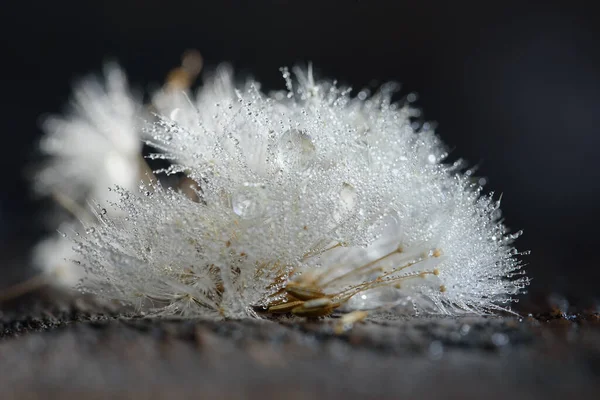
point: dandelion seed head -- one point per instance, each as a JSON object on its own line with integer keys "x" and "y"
{"x": 311, "y": 195}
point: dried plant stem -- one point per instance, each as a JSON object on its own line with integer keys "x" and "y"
{"x": 30, "y": 285}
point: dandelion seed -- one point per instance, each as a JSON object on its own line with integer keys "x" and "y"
{"x": 304, "y": 202}
{"x": 92, "y": 149}
{"x": 97, "y": 146}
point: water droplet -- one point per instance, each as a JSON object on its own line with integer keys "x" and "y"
{"x": 175, "y": 113}
{"x": 249, "y": 200}
{"x": 500, "y": 339}
{"x": 348, "y": 196}
{"x": 376, "y": 298}
{"x": 436, "y": 350}
{"x": 465, "y": 329}
{"x": 347, "y": 202}
{"x": 103, "y": 211}
{"x": 295, "y": 150}
{"x": 90, "y": 230}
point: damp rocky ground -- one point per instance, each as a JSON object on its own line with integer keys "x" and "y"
{"x": 58, "y": 345}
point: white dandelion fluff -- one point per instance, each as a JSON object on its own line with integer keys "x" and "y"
{"x": 96, "y": 146}
{"x": 305, "y": 201}
{"x": 56, "y": 257}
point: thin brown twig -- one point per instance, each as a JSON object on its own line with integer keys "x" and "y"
{"x": 24, "y": 287}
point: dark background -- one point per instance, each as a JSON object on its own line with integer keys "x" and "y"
{"x": 514, "y": 88}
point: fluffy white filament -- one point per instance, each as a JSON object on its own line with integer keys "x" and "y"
{"x": 309, "y": 187}
{"x": 97, "y": 145}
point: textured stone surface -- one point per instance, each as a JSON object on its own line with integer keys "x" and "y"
{"x": 63, "y": 347}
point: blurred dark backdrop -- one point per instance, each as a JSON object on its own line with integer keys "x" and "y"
{"x": 514, "y": 88}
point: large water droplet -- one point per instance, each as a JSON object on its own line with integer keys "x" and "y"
{"x": 295, "y": 150}
{"x": 175, "y": 113}
{"x": 436, "y": 350}
{"x": 347, "y": 202}
{"x": 376, "y": 298}
{"x": 348, "y": 196}
{"x": 500, "y": 339}
{"x": 249, "y": 201}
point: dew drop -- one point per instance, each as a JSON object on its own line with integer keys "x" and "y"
{"x": 295, "y": 150}
{"x": 436, "y": 350}
{"x": 249, "y": 200}
{"x": 346, "y": 203}
{"x": 175, "y": 114}
{"x": 376, "y": 298}
{"x": 500, "y": 339}
{"x": 90, "y": 230}
{"x": 348, "y": 196}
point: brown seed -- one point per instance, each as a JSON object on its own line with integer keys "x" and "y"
{"x": 304, "y": 293}
{"x": 284, "y": 307}
{"x": 347, "y": 320}
{"x": 316, "y": 308}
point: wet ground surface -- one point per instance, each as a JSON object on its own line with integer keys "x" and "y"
{"x": 58, "y": 346}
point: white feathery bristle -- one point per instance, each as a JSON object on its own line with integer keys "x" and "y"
{"x": 308, "y": 197}
{"x": 56, "y": 257}
{"x": 97, "y": 145}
